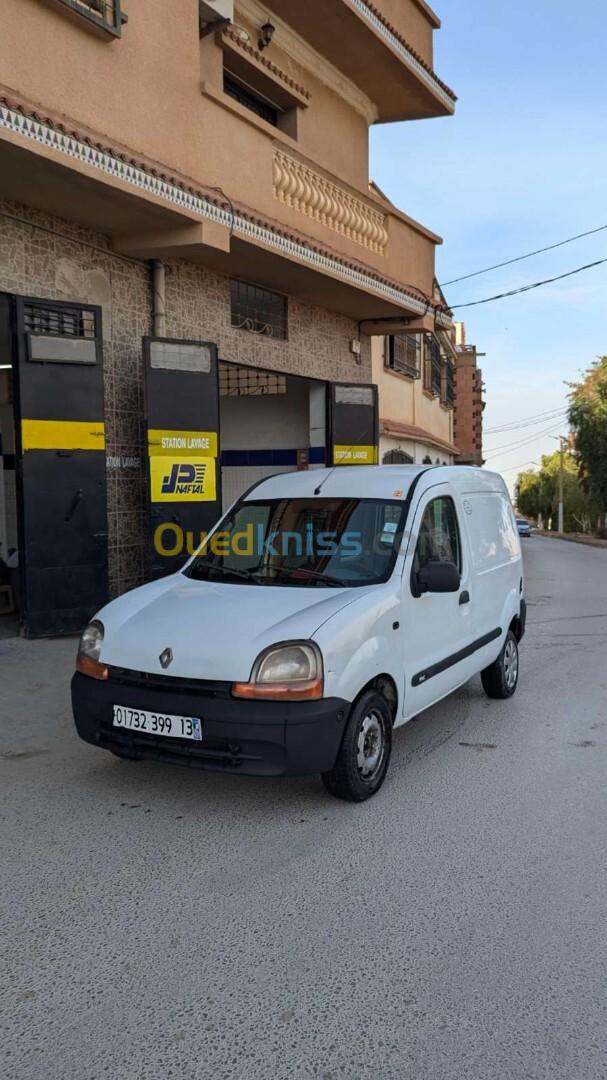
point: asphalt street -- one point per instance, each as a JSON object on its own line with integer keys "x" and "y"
{"x": 161, "y": 924}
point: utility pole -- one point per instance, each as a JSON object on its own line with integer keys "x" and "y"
{"x": 562, "y": 487}
{"x": 564, "y": 441}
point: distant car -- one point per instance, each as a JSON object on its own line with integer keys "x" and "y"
{"x": 523, "y": 526}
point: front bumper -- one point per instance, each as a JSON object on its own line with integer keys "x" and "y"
{"x": 256, "y": 738}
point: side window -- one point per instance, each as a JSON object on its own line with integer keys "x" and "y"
{"x": 439, "y": 539}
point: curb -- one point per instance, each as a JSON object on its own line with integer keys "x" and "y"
{"x": 574, "y": 538}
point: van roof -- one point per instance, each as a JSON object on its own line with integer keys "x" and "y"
{"x": 371, "y": 481}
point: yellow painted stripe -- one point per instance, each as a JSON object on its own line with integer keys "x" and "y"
{"x": 355, "y": 455}
{"x": 62, "y": 435}
{"x": 182, "y": 443}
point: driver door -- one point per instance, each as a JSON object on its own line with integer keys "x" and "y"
{"x": 439, "y": 627}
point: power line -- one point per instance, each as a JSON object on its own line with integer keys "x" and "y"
{"x": 523, "y": 419}
{"x": 525, "y": 439}
{"x": 508, "y": 447}
{"x": 519, "y": 427}
{"x": 515, "y": 468}
{"x": 528, "y": 288}
{"x": 543, "y": 418}
{"x": 521, "y": 258}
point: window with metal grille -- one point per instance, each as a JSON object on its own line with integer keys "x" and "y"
{"x": 249, "y": 382}
{"x": 103, "y": 15}
{"x": 448, "y": 385}
{"x": 433, "y": 365}
{"x": 404, "y": 354}
{"x": 247, "y": 97}
{"x": 63, "y": 320}
{"x": 259, "y": 310}
{"x": 397, "y": 457}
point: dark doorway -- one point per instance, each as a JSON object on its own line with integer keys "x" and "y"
{"x": 59, "y": 433}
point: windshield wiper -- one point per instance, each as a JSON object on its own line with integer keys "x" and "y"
{"x": 226, "y": 571}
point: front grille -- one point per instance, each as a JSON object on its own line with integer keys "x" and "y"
{"x": 201, "y": 687}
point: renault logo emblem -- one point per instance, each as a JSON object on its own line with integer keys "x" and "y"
{"x": 166, "y": 658}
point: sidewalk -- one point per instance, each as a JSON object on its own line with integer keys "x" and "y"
{"x": 575, "y": 538}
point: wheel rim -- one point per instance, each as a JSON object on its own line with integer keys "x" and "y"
{"x": 371, "y": 746}
{"x": 511, "y": 664}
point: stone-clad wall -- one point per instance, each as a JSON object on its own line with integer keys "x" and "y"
{"x": 55, "y": 260}
{"x": 318, "y": 345}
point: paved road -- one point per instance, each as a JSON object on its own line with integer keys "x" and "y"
{"x": 164, "y": 924}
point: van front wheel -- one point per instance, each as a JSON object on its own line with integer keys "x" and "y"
{"x": 500, "y": 680}
{"x": 364, "y": 755}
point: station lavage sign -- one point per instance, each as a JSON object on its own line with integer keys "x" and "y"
{"x": 183, "y": 466}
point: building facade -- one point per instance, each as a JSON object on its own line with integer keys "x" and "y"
{"x": 192, "y": 267}
{"x": 415, "y": 374}
{"x": 469, "y": 401}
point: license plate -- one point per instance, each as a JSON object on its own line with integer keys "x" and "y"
{"x": 171, "y": 727}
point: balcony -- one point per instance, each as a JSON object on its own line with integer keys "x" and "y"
{"x": 309, "y": 235}
{"x": 392, "y": 64}
{"x": 104, "y": 17}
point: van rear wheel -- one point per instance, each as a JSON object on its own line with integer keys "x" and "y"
{"x": 364, "y": 755}
{"x": 500, "y": 679}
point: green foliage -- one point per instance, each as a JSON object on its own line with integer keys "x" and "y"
{"x": 588, "y": 419}
{"x": 537, "y": 493}
{"x": 528, "y": 494}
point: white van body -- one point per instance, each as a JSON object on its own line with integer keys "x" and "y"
{"x": 415, "y": 648}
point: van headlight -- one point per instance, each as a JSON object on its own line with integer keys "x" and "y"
{"x": 89, "y": 651}
{"x": 292, "y": 671}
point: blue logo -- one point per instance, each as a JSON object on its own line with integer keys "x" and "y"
{"x": 184, "y": 479}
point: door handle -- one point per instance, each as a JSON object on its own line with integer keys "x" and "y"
{"x": 464, "y": 598}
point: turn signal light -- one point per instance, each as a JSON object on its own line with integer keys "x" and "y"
{"x": 92, "y": 668}
{"x": 294, "y": 691}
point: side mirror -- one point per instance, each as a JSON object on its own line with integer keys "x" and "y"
{"x": 437, "y": 577}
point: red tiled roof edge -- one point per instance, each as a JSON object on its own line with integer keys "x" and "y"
{"x": 412, "y": 431}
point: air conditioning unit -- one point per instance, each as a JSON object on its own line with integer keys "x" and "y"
{"x": 215, "y": 12}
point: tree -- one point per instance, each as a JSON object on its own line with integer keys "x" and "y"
{"x": 527, "y": 494}
{"x": 588, "y": 419}
{"x": 537, "y": 493}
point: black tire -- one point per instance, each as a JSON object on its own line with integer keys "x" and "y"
{"x": 500, "y": 680}
{"x": 364, "y": 754}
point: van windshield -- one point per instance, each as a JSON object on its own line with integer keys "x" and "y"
{"x": 304, "y": 543}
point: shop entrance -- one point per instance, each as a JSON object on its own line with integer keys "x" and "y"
{"x": 271, "y": 423}
{"x": 53, "y": 509}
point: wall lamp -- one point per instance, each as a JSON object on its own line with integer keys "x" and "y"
{"x": 266, "y": 34}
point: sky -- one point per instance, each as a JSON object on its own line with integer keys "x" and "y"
{"x": 523, "y": 164}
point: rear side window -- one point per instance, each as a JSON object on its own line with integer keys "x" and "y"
{"x": 492, "y": 529}
{"x": 439, "y": 539}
